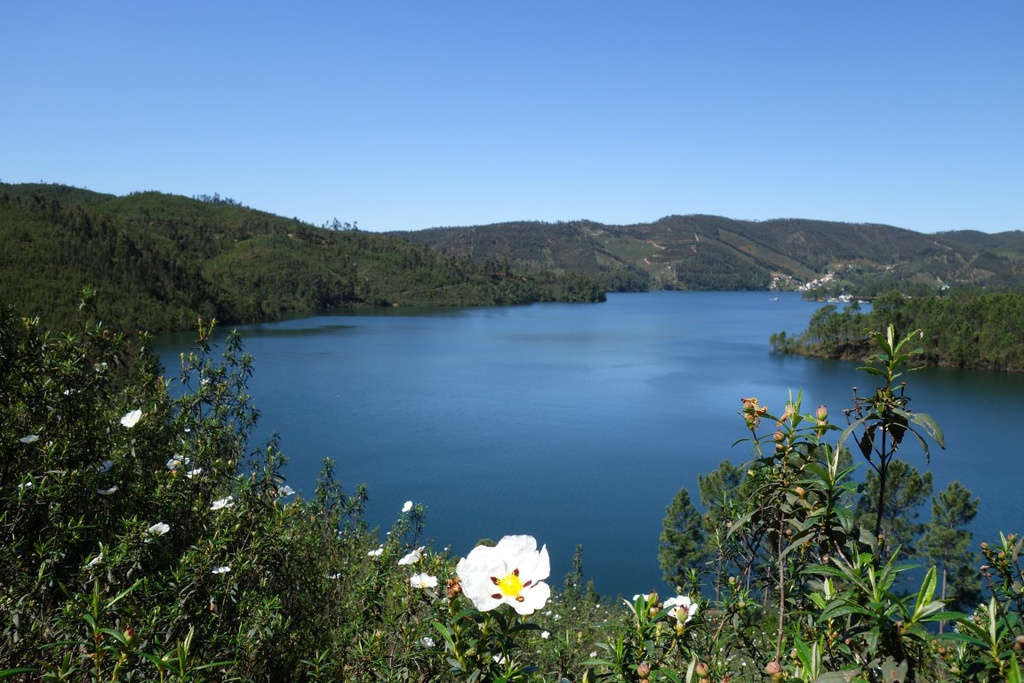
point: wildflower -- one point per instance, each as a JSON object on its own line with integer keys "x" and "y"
{"x": 376, "y": 553}
{"x": 423, "y": 581}
{"x": 131, "y": 418}
{"x": 29, "y": 438}
{"x": 220, "y": 570}
{"x": 175, "y": 462}
{"x": 407, "y": 506}
{"x": 107, "y": 492}
{"x": 681, "y": 608}
{"x": 427, "y": 641}
{"x": 545, "y": 634}
{"x": 194, "y": 472}
{"x": 412, "y": 558}
{"x": 285, "y": 490}
{"x": 510, "y": 572}
{"x": 26, "y": 486}
{"x": 158, "y": 529}
{"x": 222, "y": 503}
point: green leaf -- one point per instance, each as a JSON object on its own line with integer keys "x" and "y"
{"x": 843, "y": 610}
{"x": 925, "y": 595}
{"x": 804, "y": 653}
{"x": 927, "y": 423}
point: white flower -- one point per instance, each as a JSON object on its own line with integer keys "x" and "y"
{"x": 407, "y": 506}
{"x": 376, "y": 553}
{"x": 412, "y": 558}
{"x": 285, "y": 491}
{"x": 29, "y": 438}
{"x": 427, "y": 641}
{"x": 194, "y": 472}
{"x": 511, "y": 572}
{"x": 130, "y": 418}
{"x": 423, "y": 581}
{"x": 681, "y": 608}
{"x": 220, "y": 570}
{"x": 158, "y": 529}
{"x": 107, "y": 492}
{"x": 175, "y": 462}
{"x": 222, "y": 503}
{"x": 545, "y": 634}
{"x": 26, "y": 486}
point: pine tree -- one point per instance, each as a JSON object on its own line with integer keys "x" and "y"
{"x": 905, "y": 492}
{"x": 946, "y": 542}
{"x": 682, "y": 539}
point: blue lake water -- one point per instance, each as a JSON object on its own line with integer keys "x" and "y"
{"x": 578, "y": 423}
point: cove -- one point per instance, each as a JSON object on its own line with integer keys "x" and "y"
{"x": 577, "y": 423}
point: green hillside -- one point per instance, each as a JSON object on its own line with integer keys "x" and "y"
{"x": 711, "y": 252}
{"x": 158, "y": 261}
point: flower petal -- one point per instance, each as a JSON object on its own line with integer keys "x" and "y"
{"x": 131, "y": 418}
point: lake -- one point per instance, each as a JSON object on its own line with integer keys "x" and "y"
{"x": 578, "y": 423}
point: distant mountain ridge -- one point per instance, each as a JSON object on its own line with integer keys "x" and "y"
{"x": 161, "y": 261}
{"x": 712, "y": 252}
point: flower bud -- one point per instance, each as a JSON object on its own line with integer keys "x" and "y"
{"x": 822, "y": 413}
{"x": 773, "y": 668}
{"x": 643, "y": 670}
{"x": 701, "y": 669}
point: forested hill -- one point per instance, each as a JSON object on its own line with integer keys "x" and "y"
{"x": 158, "y": 262}
{"x": 711, "y": 252}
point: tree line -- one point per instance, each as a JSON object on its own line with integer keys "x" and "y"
{"x": 966, "y": 329}
{"x": 160, "y": 261}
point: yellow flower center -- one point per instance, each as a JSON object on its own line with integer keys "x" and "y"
{"x": 510, "y": 585}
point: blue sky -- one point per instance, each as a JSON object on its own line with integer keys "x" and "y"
{"x": 410, "y": 115}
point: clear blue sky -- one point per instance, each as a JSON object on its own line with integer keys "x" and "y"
{"x": 409, "y": 115}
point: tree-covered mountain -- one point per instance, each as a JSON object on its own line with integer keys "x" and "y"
{"x": 159, "y": 261}
{"x": 712, "y": 252}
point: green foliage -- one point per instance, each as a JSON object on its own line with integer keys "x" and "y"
{"x": 946, "y": 544}
{"x": 163, "y": 261}
{"x": 979, "y": 330}
{"x": 682, "y": 537}
{"x": 906, "y": 491}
